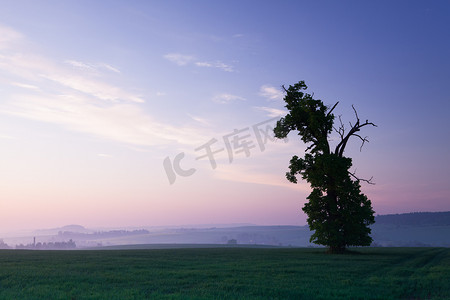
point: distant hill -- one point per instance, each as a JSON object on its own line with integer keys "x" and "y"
{"x": 412, "y": 229}
{"x": 71, "y": 228}
{"x": 415, "y": 219}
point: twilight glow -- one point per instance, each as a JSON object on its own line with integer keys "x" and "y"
{"x": 127, "y": 113}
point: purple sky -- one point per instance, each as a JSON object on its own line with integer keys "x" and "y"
{"x": 96, "y": 95}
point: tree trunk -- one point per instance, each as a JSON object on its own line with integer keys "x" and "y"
{"x": 336, "y": 249}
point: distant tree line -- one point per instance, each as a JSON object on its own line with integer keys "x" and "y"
{"x": 415, "y": 219}
{"x": 4, "y": 245}
{"x": 49, "y": 246}
{"x": 405, "y": 244}
{"x": 252, "y": 239}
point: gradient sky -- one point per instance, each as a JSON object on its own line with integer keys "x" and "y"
{"x": 96, "y": 95}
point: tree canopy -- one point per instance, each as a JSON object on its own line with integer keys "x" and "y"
{"x": 338, "y": 212}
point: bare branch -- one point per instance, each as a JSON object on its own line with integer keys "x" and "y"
{"x": 331, "y": 110}
{"x": 335, "y": 129}
{"x": 342, "y": 124}
{"x": 341, "y": 129}
{"x": 364, "y": 140}
{"x": 369, "y": 181}
{"x": 354, "y": 128}
{"x": 368, "y": 123}
{"x": 356, "y": 113}
{"x": 357, "y": 119}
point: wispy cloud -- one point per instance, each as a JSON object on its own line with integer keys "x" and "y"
{"x": 216, "y": 64}
{"x": 200, "y": 120}
{"x": 109, "y": 67}
{"x": 272, "y": 112}
{"x": 25, "y": 86}
{"x": 68, "y": 95}
{"x": 204, "y": 64}
{"x": 271, "y": 93}
{"x": 119, "y": 122}
{"x": 38, "y": 71}
{"x": 226, "y": 98}
{"x": 98, "y": 89}
{"x": 94, "y": 68}
{"x": 179, "y": 59}
{"x": 183, "y": 60}
{"x": 80, "y": 65}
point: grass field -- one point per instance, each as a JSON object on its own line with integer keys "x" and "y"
{"x": 226, "y": 273}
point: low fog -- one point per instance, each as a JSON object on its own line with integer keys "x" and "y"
{"x": 406, "y": 230}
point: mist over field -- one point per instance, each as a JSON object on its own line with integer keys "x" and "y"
{"x": 399, "y": 230}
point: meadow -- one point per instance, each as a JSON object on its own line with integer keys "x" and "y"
{"x": 226, "y": 273}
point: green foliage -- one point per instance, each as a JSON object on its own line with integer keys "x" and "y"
{"x": 306, "y": 115}
{"x": 337, "y": 211}
{"x": 352, "y": 216}
{"x": 226, "y": 273}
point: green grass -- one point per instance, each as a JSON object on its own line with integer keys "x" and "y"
{"x": 226, "y": 273}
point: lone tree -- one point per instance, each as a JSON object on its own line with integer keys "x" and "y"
{"x": 337, "y": 211}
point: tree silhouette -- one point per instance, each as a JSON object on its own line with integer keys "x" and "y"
{"x": 337, "y": 211}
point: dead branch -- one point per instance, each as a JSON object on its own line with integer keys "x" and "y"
{"x": 369, "y": 181}
{"x": 356, "y": 113}
{"x": 331, "y": 110}
{"x": 341, "y": 129}
{"x": 364, "y": 140}
{"x": 339, "y": 150}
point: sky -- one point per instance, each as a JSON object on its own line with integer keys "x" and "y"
{"x": 160, "y": 113}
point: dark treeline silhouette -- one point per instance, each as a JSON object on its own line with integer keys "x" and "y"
{"x": 415, "y": 219}
{"x": 49, "y": 246}
{"x": 251, "y": 238}
{"x": 4, "y": 245}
